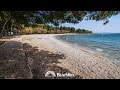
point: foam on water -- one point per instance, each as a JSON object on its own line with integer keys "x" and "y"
{"x": 98, "y": 49}
{"x": 108, "y": 44}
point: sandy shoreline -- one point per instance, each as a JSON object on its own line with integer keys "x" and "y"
{"x": 78, "y": 61}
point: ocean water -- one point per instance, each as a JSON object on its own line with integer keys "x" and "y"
{"x": 107, "y": 44}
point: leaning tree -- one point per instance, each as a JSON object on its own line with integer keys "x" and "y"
{"x": 15, "y": 18}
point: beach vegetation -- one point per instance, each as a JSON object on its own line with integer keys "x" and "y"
{"x": 10, "y": 21}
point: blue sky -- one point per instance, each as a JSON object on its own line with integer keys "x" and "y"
{"x": 97, "y": 26}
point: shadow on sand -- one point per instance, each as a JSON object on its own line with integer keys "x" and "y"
{"x": 22, "y": 61}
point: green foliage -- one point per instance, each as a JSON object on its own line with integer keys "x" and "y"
{"x": 50, "y": 30}
{"x": 83, "y": 31}
{"x": 33, "y": 18}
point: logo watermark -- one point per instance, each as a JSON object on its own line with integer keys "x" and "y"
{"x": 50, "y": 74}
{"x": 53, "y": 74}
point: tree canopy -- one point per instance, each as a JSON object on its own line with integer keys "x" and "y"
{"x": 57, "y": 17}
{"x": 10, "y": 19}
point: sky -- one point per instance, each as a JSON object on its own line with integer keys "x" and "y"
{"x": 97, "y": 26}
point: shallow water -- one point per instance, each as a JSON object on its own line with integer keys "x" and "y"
{"x": 106, "y": 44}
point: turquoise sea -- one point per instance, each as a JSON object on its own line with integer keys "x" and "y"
{"x": 106, "y": 43}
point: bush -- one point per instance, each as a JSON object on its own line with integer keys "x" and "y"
{"x": 52, "y": 32}
{"x": 26, "y": 30}
{"x": 43, "y": 31}
{"x": 58, "y": 31}
{"x": 37, "y": 30}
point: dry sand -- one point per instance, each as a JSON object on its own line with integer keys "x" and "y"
{"x": 79, "y": 61}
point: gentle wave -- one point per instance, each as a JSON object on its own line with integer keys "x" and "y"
{"x": 98, "y": 49}
{"x": 106, "y": 43}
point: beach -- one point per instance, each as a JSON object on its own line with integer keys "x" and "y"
{"x": 39, "y": 53}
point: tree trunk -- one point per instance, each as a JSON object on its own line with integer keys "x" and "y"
{"x": 4, "y": 26}
{"x": 11, "y": 27}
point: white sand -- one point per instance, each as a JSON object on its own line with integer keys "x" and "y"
{"x": 79, "y": 60}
